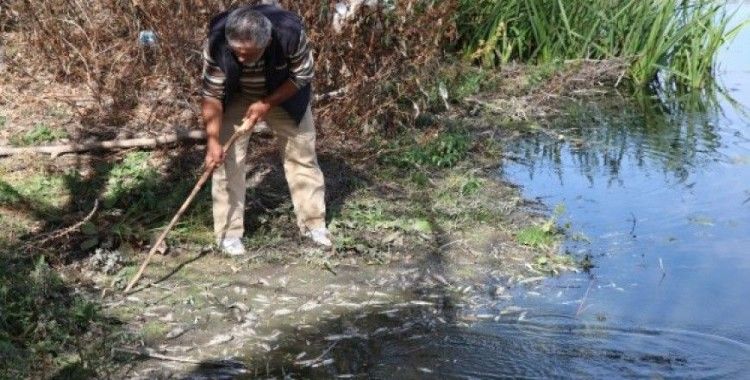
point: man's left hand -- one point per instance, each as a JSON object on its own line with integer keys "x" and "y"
{"x": 257, "y": 111}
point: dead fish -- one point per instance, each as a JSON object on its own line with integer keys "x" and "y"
{"x": 324, "y": 362}
{"x": 175, "y": 349}
{"x": 532, "y": 279}
{"x": 283, "y": 281}
{"x": 421, "y": 303}
{"x": 270, "y": 338}
{"x": 351, "y": 305}
{"x": 282, "y": 312}
{"x": 176, "y": 332}
{"x": 309, "y": 305}
{"x": 219, "y": 339}
{"x": 240, "y": 290}
{"x": 374, "y": 302}
{"x": 264, "y": 346}
{"x": 511, "y": 309}
{"x": 425, "y": 370}
{"x": 440, "y": 279}
{"x": 335, "y": 337}
{"x": 261, "y": 299}
{"x": 239, "y": 306}
{"x": 261, "y": 282}
{"x": 499, "y": 290}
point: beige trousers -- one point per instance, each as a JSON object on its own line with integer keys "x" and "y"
{"x": 303, "y": 175}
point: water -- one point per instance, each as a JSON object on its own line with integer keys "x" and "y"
{"x": 659, "y": 201}
{"x": 665, "y": 204}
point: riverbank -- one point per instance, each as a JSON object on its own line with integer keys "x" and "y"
{"x": 420, "y": 218}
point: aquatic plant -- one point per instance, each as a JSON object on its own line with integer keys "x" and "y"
{"x": 672, "y": 42}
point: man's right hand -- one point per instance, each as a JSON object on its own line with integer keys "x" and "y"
{"x": 214, "y": 153}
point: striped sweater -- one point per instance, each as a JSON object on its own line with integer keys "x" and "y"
{"x": 252, "y": 79}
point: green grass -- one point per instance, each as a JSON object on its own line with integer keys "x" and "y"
{"x": 43, "y": 327}
{"x": 676, "y": 39}
{"x": 40, "y": 134}
{"x": 44, "y": 192}
{"x": 137, "y": 189}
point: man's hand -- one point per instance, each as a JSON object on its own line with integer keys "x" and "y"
{"x": 257, "y": 111}
{"x": 214, "y": 153}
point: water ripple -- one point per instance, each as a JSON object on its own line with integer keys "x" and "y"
{"x": 554, "y": 348}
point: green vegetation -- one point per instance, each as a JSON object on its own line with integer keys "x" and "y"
{"x": 536, "y": 237}
{"x": 135, "y": 188}
{"x": 134, "y": 172}
{"x": 46, "y": 330}
{"x": 45, "y": 191}
{"x": 41, "y": 133}
{"x": 676, "y": 38}
{"x": 443, "y": 151}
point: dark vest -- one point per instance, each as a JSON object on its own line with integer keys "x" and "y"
{"x": 285, "y": 35}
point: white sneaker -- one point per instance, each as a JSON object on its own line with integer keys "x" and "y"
{"x": 320, "y": 236}
{"x": 231, "y": 246}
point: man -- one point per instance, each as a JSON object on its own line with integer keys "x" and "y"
{"x": 258, "y": 65}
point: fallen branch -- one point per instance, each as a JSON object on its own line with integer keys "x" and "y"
{"x": 56, "y": 150}
{"x": 66, "y": 231}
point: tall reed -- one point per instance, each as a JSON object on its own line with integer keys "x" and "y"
{"x": 674, "y": 42}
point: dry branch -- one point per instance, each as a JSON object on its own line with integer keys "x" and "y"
{"x": 65, "y": 231}
{"x": 56, "y": 150}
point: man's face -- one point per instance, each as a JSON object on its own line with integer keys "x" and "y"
{"x": 246, "y": 51}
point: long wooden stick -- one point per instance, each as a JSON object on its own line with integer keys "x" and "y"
{"x": 56, "y": 150}
{"x": 244, "y": 128}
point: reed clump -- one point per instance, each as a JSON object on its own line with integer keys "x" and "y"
{"x": 671, "y": 42}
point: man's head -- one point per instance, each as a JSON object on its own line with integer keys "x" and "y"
{"x": 248, "y": 33}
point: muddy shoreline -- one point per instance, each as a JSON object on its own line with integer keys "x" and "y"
{"x": 420, "y": 246}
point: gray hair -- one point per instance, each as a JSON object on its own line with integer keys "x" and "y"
{"x": 247, "y": 25}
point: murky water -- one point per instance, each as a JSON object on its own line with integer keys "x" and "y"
{"x": 658, "y": 198}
